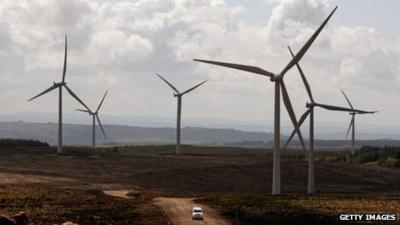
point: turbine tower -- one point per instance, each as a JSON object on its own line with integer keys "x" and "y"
{"x": 310, "y": 112}
{"x": 95, "y": 116}
{"x": 279, "y": 87}
{"x": 179, "y": 95}
{"x": 60, "y": 85}
{"x": 352, "y": 123}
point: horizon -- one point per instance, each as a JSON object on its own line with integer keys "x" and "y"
{"x": 325, "y": 130}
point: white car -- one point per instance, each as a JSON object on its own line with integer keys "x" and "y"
{"x": 197, "y": 213}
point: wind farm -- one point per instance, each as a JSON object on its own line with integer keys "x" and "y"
{"x": 228, "y": 151}
{"x": 279, "y": 86}
{"x": 310, "y": 113}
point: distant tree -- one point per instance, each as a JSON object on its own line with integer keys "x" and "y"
{"x": 10, "y": 142}
{"x": 398, "y": 155}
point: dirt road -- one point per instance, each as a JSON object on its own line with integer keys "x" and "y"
{"x": 179, "y": 211}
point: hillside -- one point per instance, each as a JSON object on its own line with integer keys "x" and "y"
{"x": 81, "y": 134}
{"x": 77, "y": 134}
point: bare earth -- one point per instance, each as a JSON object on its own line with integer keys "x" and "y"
{"x": 118, "y": 193}
{"x": 179, "y": 212}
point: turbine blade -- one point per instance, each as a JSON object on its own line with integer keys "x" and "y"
{"x": 65, "y": 60}
{"x": 82, "y": 110}
{"x": 251, "y": 69}
{"x": 302, "y": 119}
{"x": 291, "y": 113}
{"x": 76, "y": 97}
{"x": 367, "y": 112}
{"x": 303, "y": 77}
{"x": 169, "y": 84}
{"x": 350, "y": 125}
{"x": 101, "y": 102}
{"x": 303, "y": 50}
{"x": 44, "y": 92}
{"x": 191, "y": 89}
{"x": 335, "y": 108}
{"x": 101, "y": 126}
{"x": 347, "y": 99}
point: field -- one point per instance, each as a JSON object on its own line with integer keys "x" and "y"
{"x": 236, "y": 181}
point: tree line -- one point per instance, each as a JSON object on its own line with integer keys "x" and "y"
{"x": 11, "y": 142}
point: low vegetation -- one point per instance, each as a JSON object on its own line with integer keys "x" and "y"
{"x": 319, "y": 209}
{"x": 387, "y": 156}
{"x": 50, "y": 206}
{"x": 53, "y": 188}
{"x": 12, "y": 143}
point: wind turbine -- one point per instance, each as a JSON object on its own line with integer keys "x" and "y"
{"x": 95, "y": 116}
{"x": 179, "y": 95}
{"x": 310, "y": 112}
{"x": 279, "y": 86}
{"x": 352, "y": 123}
{"x": 60, "y": 85}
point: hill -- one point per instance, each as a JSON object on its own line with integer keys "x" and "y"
{"x": 78, "y": 134}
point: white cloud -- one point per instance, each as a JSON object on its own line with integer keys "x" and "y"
{"x": 122, "y": 44}
{"x": 114, "y": 46}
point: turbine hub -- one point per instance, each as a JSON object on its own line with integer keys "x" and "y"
{"x": 59, "y": 83}
{"x": 276, "y": 78}
{"x": 309, "y": 105}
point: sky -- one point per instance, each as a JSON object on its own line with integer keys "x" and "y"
{"x": 121, "y": 45}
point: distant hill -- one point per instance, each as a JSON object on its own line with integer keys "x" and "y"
{"x": 332, "y": 130}
{"x": 322, "y": 144}
{"x": 81, "y": 134}
{"x": 77, "y": 134}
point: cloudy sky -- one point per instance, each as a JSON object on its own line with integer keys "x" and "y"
{"x": 121, "y": 45}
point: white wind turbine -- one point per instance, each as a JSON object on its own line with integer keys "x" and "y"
{"x": 279, "y": 86}
{"x": 310, "y": 112}
{"x": 179, "y": 95}
{"x": 60, "y": 85}
{"x": 95, "y": 116}
{"x": 352, "y": 123}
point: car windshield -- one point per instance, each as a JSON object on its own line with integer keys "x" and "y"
{"x": 197, "y": 210}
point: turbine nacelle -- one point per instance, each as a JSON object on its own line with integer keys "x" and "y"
{"x": 59, "y": 83}
{"x": 276, "y": 78}
{"x": 310, "y": 104}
